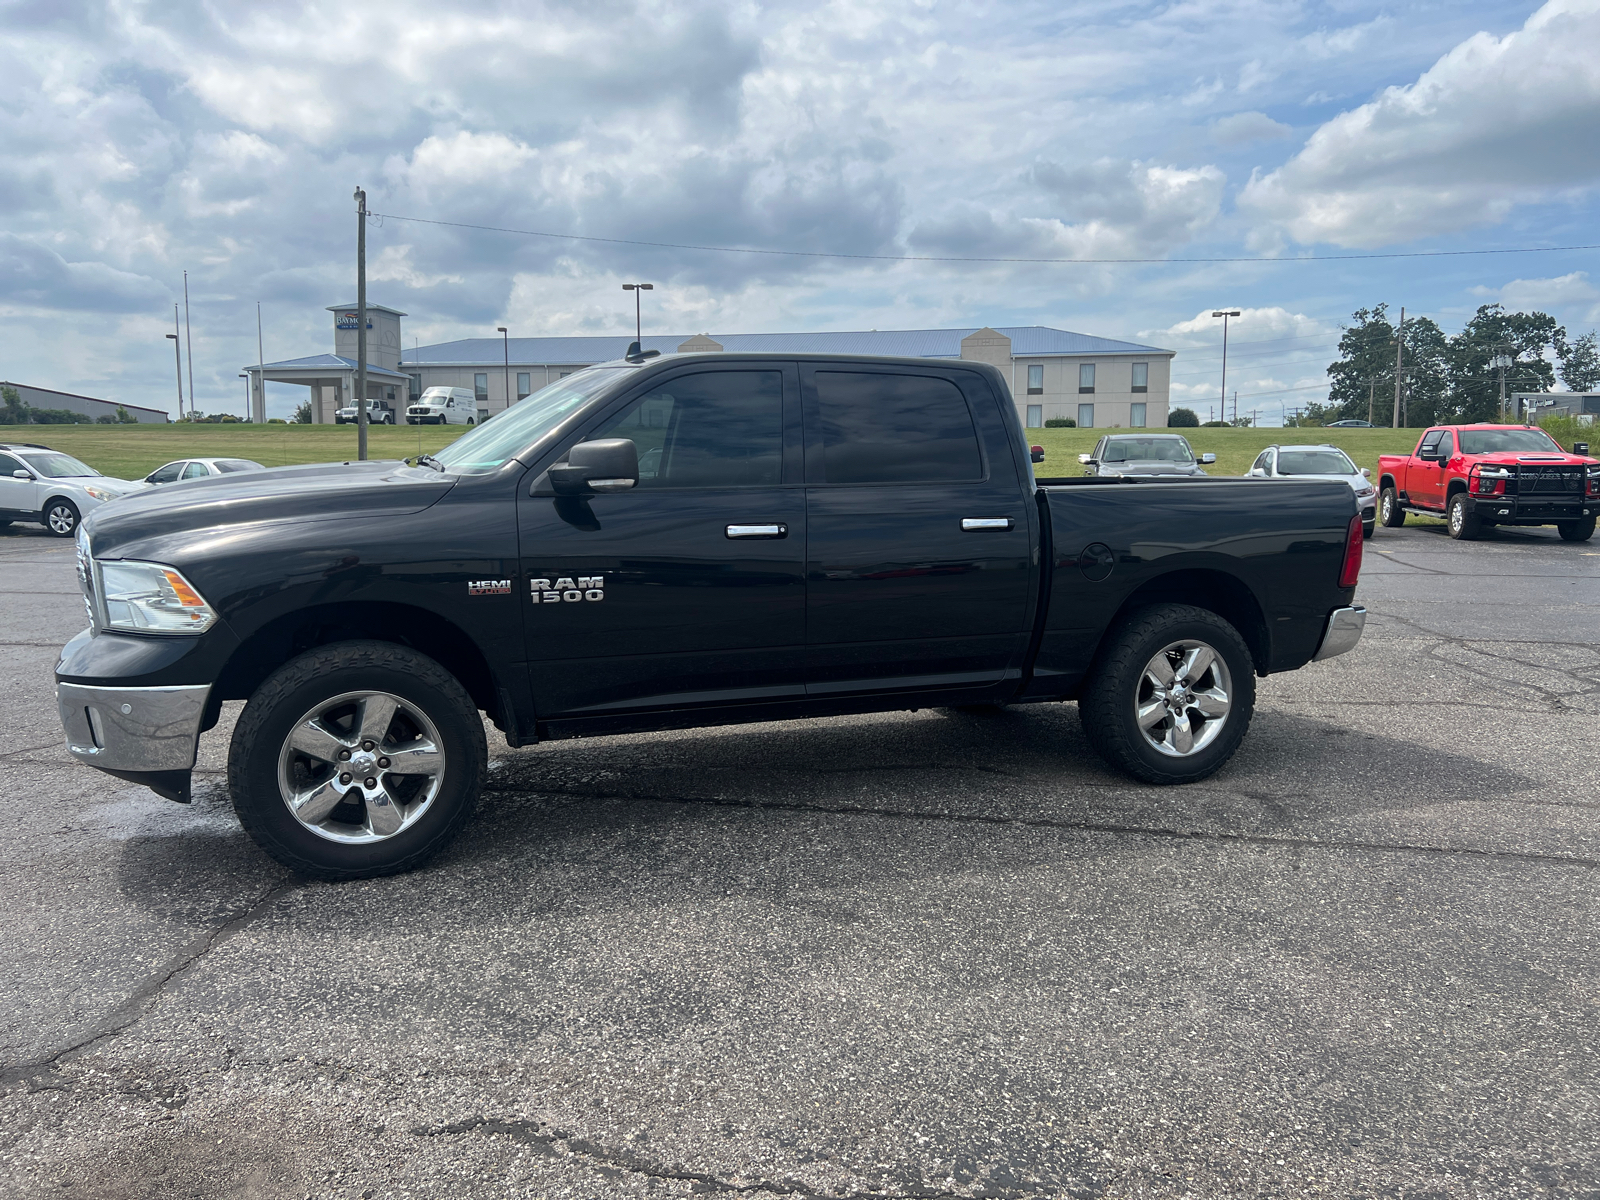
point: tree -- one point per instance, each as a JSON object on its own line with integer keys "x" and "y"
{"x": 1361, "y": 380}
{"x": 1183, "y": 418}
{"x": 302, "y": 414}
{"x": 15, "y": 411}
{"x": 123, "y": 418}
{"x": 1474, "y": 385}
{"x": 1580, "y": 363}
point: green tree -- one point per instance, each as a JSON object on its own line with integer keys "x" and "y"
{"x": 1474, "y": 385}
{"x": 302, "y": 413}
{"x": 1580, "y": 363}
{"x": 15, "y": 412}
{"x": 1183, "y": 418}
{"x": 1361, "y": 380}
{"x": 123, "y": 417}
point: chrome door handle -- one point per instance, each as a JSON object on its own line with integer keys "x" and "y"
{"x": 758, "y": 531}
{"x": 978, "y": 524}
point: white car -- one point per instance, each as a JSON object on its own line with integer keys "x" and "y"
{"x": 444, "y": 406}
{"x": 1321, "y": 462}
{"x": 378, "y": 413}
{"x": 54, "y": 489}
{"x": 200, "y": 468}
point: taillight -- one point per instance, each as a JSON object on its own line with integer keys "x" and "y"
{"x": 1350, "y": 571}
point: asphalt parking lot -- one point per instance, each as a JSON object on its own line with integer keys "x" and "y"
{"x": 921, "y": 954}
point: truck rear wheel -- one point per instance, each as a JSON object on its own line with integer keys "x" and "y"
{"x": 1463, "y": 524}
{"x": 1390, "y": 514}
{"x": 1576, "y": 531}
{"x": 356, "y": 759}
{"x": 1170, "y": 695}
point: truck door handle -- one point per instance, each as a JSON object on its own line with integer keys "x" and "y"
{"x": 979, "y": 524}
{"x": 758, "y": 531}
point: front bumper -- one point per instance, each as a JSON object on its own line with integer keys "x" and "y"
{"x": 1343, "y": 632}
{"x": 146, "y": 735}
{"x": 1533, "y": 510}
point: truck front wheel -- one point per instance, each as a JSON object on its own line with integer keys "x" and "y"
{"x": 1389, "y": 511}
{"x": 356, "y": 759}
{"x": 1170, "y": 695}
{"x": 1462, "y": 522}
{"x": 1576, "y": 531}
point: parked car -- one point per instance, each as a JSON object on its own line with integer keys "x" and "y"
{"x": 1477, "y": 476}
{"x": 444, "y": 406}
{"x": 379, "y": 412}
{"x": 814, "y": 536}
{"x": 1119, "y": 454}
{"x": 1321, "y": 462}
{"x": 200, "y": 468}
{"x": 54, "y": 489}
{"x": 1351, "y": 424}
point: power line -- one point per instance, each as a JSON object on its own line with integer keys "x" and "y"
{"x": 953, "y": 258}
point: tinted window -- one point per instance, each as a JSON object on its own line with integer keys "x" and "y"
{"x": 229, "y": 465}
{"x": 1153, "y": 449}
{"x": 521, "y": 428}
{"x": 58, "y": 466}
{"x": 165, "y": 474}
{"x": 1517, "y": 441}
{"x": 715, "y": 429}
{"x": 1314, "y": 462}
{"x": 895, "y": 429}
{"x": 1447, "y": 446}
{"x": 1431, "y": 439}
{"x": 8, "y": 465}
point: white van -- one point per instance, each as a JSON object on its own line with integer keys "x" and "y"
{"x": 444, "y": 406}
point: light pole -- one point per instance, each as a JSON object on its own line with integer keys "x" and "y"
{"x": 505, "y": 341}
{"x": 361, "y": 324}
{"x": 638, "y": 327}
{"x": 177, "y": 360}
{"x": 1500, "y": 362}
{"x": 1225, "y": 313}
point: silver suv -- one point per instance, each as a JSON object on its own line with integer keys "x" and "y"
{"x": 54, "y": 489}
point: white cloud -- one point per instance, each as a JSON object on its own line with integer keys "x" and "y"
{"x": 1239, "y": 129}
{"x": 1568, "y": 297}
{"x": 1494, "y": 123}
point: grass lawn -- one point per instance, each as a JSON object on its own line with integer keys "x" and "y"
{"x": 133, "y": 451}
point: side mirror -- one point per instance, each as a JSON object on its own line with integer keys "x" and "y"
{"x": 19, "y": 474}
{"x": 606, "y": 465}
{"x": 1366, "y": 473}
{"x": 1208, "y": 459}
{"x": 1580, "y": 448}
{"x": 1259, "y": 472}
{"x": 1086, "y": 460}
{"x": 1036, "y": 453}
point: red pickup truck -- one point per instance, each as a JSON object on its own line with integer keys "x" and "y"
{"x": 1481, "y": 475}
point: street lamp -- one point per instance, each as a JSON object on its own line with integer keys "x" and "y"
{"x": 177, "y": 358}
{"x": 505, "y": 341}
{"x": 1225, "y": 313}
{"x": 636, "y": 288}
{"x": 1500, "y": 362}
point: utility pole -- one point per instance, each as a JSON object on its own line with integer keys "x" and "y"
{"x": 1372, "y": 394}
{"x": 361, "y": 325}
{"x": 188, "y": 342}
{"x": 505, "y": 342}
{"x": 1225, "y": 314}
{"x": 1501, "y": 361}
{"x": 1235, "y": 404}
{"x": 177, "y": 349}
{"x": 1399, "y": 352}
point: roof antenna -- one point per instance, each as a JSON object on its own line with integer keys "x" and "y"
{"x": 636, "y": 355}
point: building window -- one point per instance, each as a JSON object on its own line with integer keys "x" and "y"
{"x": 1085, "y": 416}
{"x": 480, "y": 387}
{"x": 1036, "y": 379}
{"x": 416, "y": 388}
{"x": 1035, "y": 416}
{"x": 1141, "y": 378}
{"x": 563, "y": 374}
{"x": 523, "y": 388}
{"x": 1085, "y": 379}
{"x": 1136, "y": 416}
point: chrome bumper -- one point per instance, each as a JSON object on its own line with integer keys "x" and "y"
{"x": 132, "y": 729}
{"x": 1343, "y": 632}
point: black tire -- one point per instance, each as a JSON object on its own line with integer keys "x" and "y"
{"x": 1390, "y": 514}
{"x": 1112, "y": 693}
{"x": 1460, "y": 521}
{"x": 1368, "y": 528}
{"x": 470, "y": 421}
{"x": 59, "y": 517}
{"x": 322, "y": 674}
{"x": 1576, "y": 531}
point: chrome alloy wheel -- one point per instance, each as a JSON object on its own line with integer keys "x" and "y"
{"x": 361, "y": 767}
{"x": 1185, "y": 696}
{"x": 1457, "y": 517}
{"x": 1388, "y": 507}
{"x": 61, "y": 519}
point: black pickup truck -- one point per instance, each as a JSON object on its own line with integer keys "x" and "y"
{"x": 686, "y": 541}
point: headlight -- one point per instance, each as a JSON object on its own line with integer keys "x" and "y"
{"x": 101, "y": 494}
{"x": 140, "y": 597}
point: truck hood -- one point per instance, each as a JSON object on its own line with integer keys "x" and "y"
{"x": 353, "y": 491}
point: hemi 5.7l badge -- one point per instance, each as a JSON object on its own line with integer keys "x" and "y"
{"x": 488, "y": 587}
{"x": 567, "y": 589}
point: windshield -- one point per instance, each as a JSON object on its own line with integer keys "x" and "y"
{"x": 1515, "y": 441}
{"x": 1314, "y": 462}
{"x": 57, "y": 466}
{"x": 496, "y": 443}
{"x": 229, "y": 465}
{"x": 1174, "y": 450}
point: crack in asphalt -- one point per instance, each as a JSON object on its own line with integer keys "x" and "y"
{"x": 1155, "y": 831}
{"x": 560, "y": 1140}
{"x": 36, "y": 1075}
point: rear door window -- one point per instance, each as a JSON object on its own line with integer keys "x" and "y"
{"x": 877, "y": 427}
{"x": 196, "y": 470}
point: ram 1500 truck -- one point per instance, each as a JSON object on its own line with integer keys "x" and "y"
{"x": 690, "y": 541}
{"x": 1480, "y": 475}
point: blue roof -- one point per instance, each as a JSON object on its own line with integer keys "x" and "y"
{"x": 329, "y": 362}
{"x": 1027, "y": 341}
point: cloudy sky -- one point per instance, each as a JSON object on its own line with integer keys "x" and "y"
{"x": 139, "y": 140}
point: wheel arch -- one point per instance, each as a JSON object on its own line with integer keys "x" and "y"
{"x": 420, "y": 629}
{"x": 1216, "y": 591}
{"x": 1386, "y": 481}
{"x": 1455, "y": 485}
